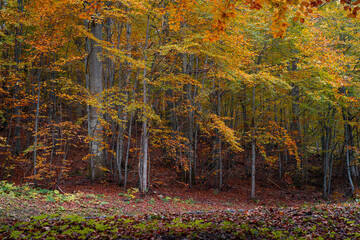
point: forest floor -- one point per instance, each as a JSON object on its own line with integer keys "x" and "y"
{"x": 21, "y": 202}
{"x": 167, "y": 194}
{"x": 83, "y": 210}
{"x": 102, "y": 200}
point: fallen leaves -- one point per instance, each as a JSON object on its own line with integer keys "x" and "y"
{"x": 27, "y": 212}
{"x": 317, "y": 221}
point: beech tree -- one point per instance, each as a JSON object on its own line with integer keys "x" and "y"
{"x": 95, "y": 71}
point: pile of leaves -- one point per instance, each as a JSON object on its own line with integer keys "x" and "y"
{"x": 305, "y": 222}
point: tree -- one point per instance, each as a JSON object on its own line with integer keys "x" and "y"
{"x": 96, "y": 87}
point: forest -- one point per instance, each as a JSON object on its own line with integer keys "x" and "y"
{"x": 203, "y": 94}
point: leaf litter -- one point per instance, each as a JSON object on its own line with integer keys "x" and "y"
{"x": 90, "y": 214}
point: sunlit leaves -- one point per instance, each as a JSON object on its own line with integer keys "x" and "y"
{"x": 227, "y": 134}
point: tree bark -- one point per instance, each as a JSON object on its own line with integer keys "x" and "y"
{"x": 37, "y": 121}
{"x": 17, "y": 58}
{"x": 348, "y": 156}
{"x": 96, "y": 88}
{"x": 253, "y": 147}
{"x": 219, "y": 139}
{"x": 143, "y": 161}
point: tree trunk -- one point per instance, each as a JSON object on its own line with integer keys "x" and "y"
{"x": 37, "y": 121}
{"x": 143, "y": 161}
{"x": 348, "y": 142}
{"x": 123, "y": 115}
{"x": 96, "y": 88}
{"x": 253, "y": 146}
{"x": 348, "y": 156}
{"x": 17, "y": 56}
{"x": 220, "y": 170}
{"x": 128, "y": 151}
{"x": 326, "y": 138}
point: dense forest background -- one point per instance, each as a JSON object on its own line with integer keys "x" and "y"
{"x": 215, "y": 91}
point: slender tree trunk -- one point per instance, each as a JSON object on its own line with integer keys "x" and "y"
{"x": 123, "y": 115}
{"x": 328, "y": 148}
{"x": 348, "y": 156}
{"x": 331, "y": 164}
{"x": 66, "y": 147}
{"x": 119, "y": 152}
{"x": 130, "y": 134}
{"x": 37, "y": 122}
{"x": 52, "y": 116}
{"x": 326, "y": 138}
{"x": 191, "y": 142}
{"x": 96, "y": 88}
{"x": 109, "y": 73}
{"x": 143, "y": 164}
{"x": 187, "y": 69}
{"x": 87, "y": 80}
{"x": 253, "y": 146}
{"x": 278, "y": 147}
{"x": 348, "y": 142}
{"x": 128, "y": 151}
{"x": 219, "y": 139}
{"x": 17, "y": 58}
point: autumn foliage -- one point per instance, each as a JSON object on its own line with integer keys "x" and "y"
{"x": 215, "y": 91}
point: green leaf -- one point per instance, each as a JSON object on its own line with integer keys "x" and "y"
{"x": 16, "y": 234}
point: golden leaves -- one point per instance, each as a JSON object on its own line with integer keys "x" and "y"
{"x": 254, "y": 4}
{"x": 298, "y": 18}
{"x": 223, "y": 12}
{"x": 178, "y": 11}
{"x": 279, "y": 24}
{"x": 92, "y": 9}
{"x": 352, "y": 12}
{"x": 226, "y": 132}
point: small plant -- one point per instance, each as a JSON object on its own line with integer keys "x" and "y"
{"x": 176, "y": 200}
{"x": 152, "y": 201}
{"x": 69, "y": 197}
{"x": 138, "y": 200}
{"x": 166, "y": 199}
{"x": 7, "y": 188}
{"x": 90, "y": 196}
{"x": 130, "y": 194}
{"x": 60, "y": 209}
{"x": 190, "y": 201}
{"x": 53, "y": 196}
{"x": 103, "y": 203}
{"x": 278, "y": 234}
{"x": 50, "y": 198}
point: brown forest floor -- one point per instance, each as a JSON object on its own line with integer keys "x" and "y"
{"x": 166, "y": 196}
{"x": 172, "y": 210}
